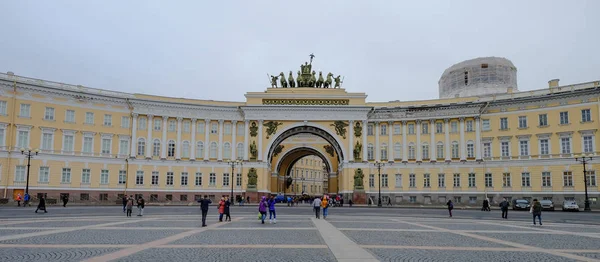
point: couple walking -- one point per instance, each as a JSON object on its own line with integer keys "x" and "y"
{"x": 264, "y": 205}
{"x": 130, "y": 201}
{"x": 318, "y": 204}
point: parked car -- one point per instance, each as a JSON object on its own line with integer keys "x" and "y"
{"x": 570, "y": 205}
{"x": 520, "y": 204}
{"x": 547, "y": 205}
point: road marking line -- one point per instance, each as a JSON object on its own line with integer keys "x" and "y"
{"x": 225, "y": 246}
{"x": 342, "y": 247}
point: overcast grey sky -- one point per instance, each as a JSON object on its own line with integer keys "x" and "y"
{"x": 220, "y": 50}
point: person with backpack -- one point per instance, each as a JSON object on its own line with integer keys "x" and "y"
{"x": 26, "y": 200}
{"x": 536, "y": 210}
{"x": 129, "y": 206}
{"x": 262, "y": 209}
{"x": 450, "y": 207}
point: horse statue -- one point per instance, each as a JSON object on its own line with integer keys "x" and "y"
{"x": 282, "y": 80}
{"x": 300, "y": 80}
{"x": 320, "y": 80}
{"x": 313, "y": 79}
{"x": 291, "y": 80}
{"x": 327, "y": 83}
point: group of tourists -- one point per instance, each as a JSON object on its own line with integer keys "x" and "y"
{"x": 130, "y": 201}
{"x": 535, "y": 209}
{"x": 264, "y": 205}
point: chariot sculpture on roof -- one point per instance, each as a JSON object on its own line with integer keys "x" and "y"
{"x": 306, "y": 78}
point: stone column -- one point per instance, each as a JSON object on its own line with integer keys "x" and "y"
{"x": 419, "y": 147}
{"x": 233, "y": 140}
{"x": 377, "y": 145}
{"x": 448, "y": 146}
{"x": 220, "y": 147}
{"x": 246, "y": 139}
{"x": 260, "y": 140}
{"x": 364, "y": 145}
{"x": 179, "y": 144}
{"x": 478, "y": 138}
{"x": 163, "y": 147}
{"x": 351, "y": 141}
{"x": 404, "y": 143}
{"x": 193, "y": 145}
{"x": 390, "y": 148}
{"x": 149, "y": 142}
{"x": 134, "y": 136}
{"x": 462, "y": 145}
{"x": 432, "y": 147}
{"x": 206, "y": 139}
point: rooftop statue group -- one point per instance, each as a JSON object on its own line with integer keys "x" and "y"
{"x": 306, "y": 78}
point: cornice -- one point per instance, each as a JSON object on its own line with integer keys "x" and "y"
{"x": 308, "y": 113}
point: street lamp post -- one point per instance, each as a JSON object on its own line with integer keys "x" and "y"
{"x": 379, "y": 165}
{"x": 584, "y": 160}
{"x": 233, "y": 163}
{"x": 302, "y": 189}
{"x": 28, "y": 153}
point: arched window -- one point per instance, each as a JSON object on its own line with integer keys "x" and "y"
{"x": 240, "y": 151}
{"x": 440, "y": 150}
{"x": 185, "y": 149}
{"x": 213, "y": 150}
{"x": 454, "y": 149}
{"x": 156, "y": 148}
{"x": 199, "y": 149}
{"x": 398, "y": 151}
{"x": 384, "y": 151}
{"x": 370, "y": 152}
{"x": 411, "y": 151}
{"x": 171, "y": 149}
{"x": 226, "y": 151}
{"x": 141, "y": 147}
{"x": 425, "y": 151}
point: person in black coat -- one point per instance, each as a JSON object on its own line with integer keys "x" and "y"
{"x": 65, "y": 200}
{"x": 227, "y": 205}
{"x": 41, "y": 205}
{"x": 204, "y": 203}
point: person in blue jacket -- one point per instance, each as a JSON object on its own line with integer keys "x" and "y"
{"x": 272, "y": 214}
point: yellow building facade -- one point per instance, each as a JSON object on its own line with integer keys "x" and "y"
{"x": 95, "y": 145}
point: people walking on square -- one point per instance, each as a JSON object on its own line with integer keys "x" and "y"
{"x": 248, "y": 200}
{"x": 140, "y": 205}
{"x": 450, "y": 207}
{"x": 125, "y": 198}
{"x": 204, "y": 203}
{"x": 262, "y": 209}
{"x": 317, "y": 207}
{"x": 42, "y": 205}
{"x": 272, "y": 214}
{"x": 536, "y": 210}
{"x": 226, "y": 211}
{"x": 19, "y": 199}
{"x": 486, "y": 205}
{"x": 26, "y": 200}
{"x": 129, "y": 206}
{"x": 325, "y": 206}
{"x": 221, "y": 208}
{"x": 504, "y": 207}
{"x": 389, "y": 201}
{"x": 65, "y": 200}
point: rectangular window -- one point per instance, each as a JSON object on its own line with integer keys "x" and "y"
{"x": 485, "y": 125}
{"x": 85, "y": 176}
{"x": 525, "y": 179}
{"x": 588, "y": 144}
{"x": 84, "y": 197}
{"x": 139, "y": 177}
{"x": 2, "y": 132}
{"x": 546, "y": 179}
{"x": 68, "y": 144}
{"x": 383, "y": 129}
{"x": 426, "y": 180}
{"x": 186, "y": 127}
{"x": 412, "y": 180}
{"x": 564, "y": 118}
{"x": 472, "y": 200}
{"x": 44, "y": 176}
{"x": 370, "y": 130}
{"x": 169, "y": 178}
{"x": 104, "y": 177}
{"x": 439, "y": 128}
{"x": 440, "y": 151}
{"x": 3, "y": 108}
{"x": 456, "y": 180}
{"x": 470, "y": 150}
{"x": 543, "y": 119}
{"x": 66, "y": 175}
{"x": 425, "y": 152}
{"x": 412, "y": 199}
{"x": 200, "y": 127}
{"x": 155, "y": 178}
{"x": 469, "y": 125}
{"x": 107, "y": 120}
{"x": 565, "y": 145}
{"x": 544, "y": 149}
{"x": 125, "y": 122}
{"x": 398, "y": 180}
{"x": 157, "y": 124}
{"x": 238, "y": 180}
{"x": 23, "y": 139}
{"x": 454, "y": 150}
{"x": 142, "y": 124}
{"x": 240, "y": 129}
{"x": 522, "y": 121}
{"x": 487, "y": 149}
{"x": 47, "y": 140}
{"x": 89, "y": 118}
{"x": 505, "y": 148}
{"x": 25, "y": 110}
{"x": 568, "y": 179}
{"x": 523, "y": 148}
{"x": 123, "y": 147}
{"x": 503, "y": 123}
{"x": 425, "y": 128}
{"x": 591, "y": 178}
{"x": 411, "y": 129}
{"x": 454, "y": 127}
{"x": 184, "y": 178}
{"x": 371, "y": 180}
{"x": 122, "y": 177}
{"x": 488, "y": 180}
{"x": 397, "y": 129}
{"x": 20, "y": 174}
{"x": 411, "y": 152}
{"x": 213, "y": 128}
{"x": 70, "y": 116}
{"x": 106, "y": 145}
{"x": 198, "y": 179}
{"x": 441, "y": 180}
{"x": 384, "y": 180}
{"x": 212, "y": 179}
{"x": 586, "y": 115}
{"x": 506, "y": 180}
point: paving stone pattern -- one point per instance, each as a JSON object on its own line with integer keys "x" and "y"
{"x": 463, "y": 256}
{"x": 96, "y": 236}
{"x": 51, "y": 254}
{"x": 549, "y": 241}
{"x": 438, "y": 239}
{"x": 239, "y": 237}
{"x": 239, "y": 254}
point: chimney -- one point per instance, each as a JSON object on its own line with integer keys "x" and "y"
{"x": 553, "y": 83}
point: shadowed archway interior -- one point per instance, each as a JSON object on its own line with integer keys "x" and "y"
{"x": 306, "y": 130}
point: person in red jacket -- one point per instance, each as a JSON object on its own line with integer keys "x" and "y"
{"x": 221, "y": 209}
